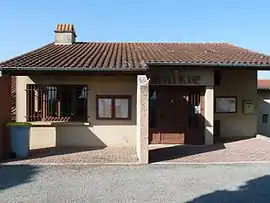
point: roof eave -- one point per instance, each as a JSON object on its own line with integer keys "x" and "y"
{"x": 240, "y": 65}
{"x": 74, "y": 69}
{"x": 263, "y": 88}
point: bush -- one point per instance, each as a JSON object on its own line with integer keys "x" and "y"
{"x": 19, "y": 124}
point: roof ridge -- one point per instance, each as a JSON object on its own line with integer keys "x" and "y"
{"x": 249, "y": 50}
{"x": 147, "y": 42}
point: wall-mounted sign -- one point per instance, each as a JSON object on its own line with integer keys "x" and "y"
{"x": 248, "y": 107}
{"x": 175, "y": 78}
{"x": 188, "y": 79}
{"x": 225, "y": 105}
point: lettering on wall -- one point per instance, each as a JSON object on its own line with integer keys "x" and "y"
{"x": 188, "y": 79}
{"x": 176, "y": 79}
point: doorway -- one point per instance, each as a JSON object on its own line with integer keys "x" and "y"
{"x": 176, "y": 115}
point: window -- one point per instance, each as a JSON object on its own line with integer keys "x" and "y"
{"x": 265, "y": 118}
{"x": 57, "y": 103}
{"x": 114, "y": 107}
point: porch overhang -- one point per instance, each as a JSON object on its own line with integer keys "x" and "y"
{"x": 76, "y": 70}
{"x": 237, "y": 65}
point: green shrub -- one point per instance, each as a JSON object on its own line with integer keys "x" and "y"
{"x": 19, "y": 124}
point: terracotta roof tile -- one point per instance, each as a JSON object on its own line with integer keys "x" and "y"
{"x": 263, "y": 84}
{"x": 65, "y": 28}
{"x": 135, "y": 55}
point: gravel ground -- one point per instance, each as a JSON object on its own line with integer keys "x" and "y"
{"x": 151, "y": 183}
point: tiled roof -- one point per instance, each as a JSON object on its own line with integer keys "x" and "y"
{"x": 264, "y": 84}
{"x": 136, "y": 55}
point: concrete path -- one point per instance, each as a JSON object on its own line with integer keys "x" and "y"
{"x": 135, "y": 183}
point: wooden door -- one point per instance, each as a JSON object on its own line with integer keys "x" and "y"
{"x": 171, "y": 116}
{"x": 178, "y": 116}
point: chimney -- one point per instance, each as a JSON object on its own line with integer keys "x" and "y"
{"x": 65, "y": 34}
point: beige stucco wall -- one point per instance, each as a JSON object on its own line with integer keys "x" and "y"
{"x": 42, "y": 137}
{"x": 243, "y": 85}
{"x": 96, "y": 132}
{"x": 239, "y": 83}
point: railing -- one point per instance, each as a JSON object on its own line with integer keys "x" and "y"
{"x": 56, "y": 102}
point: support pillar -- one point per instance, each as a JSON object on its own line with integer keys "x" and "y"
{"x": 142, "y": 119}
{"x": 209, "y": 115}
{"x": 21, "y": 99}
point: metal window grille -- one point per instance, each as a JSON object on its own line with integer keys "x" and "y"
{"x": 56, "y": 102}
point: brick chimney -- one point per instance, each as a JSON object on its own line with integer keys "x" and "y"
{"x": 65, "y": 34}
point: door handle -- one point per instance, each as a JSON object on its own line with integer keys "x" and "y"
{"x": 161, "y": 116}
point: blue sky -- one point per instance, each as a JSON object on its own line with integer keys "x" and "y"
{"x": 26, "y": 25}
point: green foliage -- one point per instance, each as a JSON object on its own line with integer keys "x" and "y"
{"x": 19, "y": 124}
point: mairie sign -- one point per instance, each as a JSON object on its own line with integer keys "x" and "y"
{"x": 175, "y": 78}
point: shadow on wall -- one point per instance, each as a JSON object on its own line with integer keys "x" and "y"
{"x": 77, "y": 136}
{"x": 256, "y": 190}
{"x": 70, "y": 139}
{"x": 14, "y": 175}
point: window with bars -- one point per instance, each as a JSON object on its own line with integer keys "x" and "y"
{"x": 56, "y": 102}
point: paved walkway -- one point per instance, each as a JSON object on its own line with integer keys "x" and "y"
{"x": 248, "y": 150}
{"x": 81, "y": 155}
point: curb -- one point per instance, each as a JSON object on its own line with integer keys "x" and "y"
{"x": 212, "y": 163}
{"x": 263, "y": 137}
{"x": 68, "y": 164}
{"x": 136, "y": 164}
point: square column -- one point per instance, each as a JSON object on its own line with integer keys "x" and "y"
{"x": 142, "y": 119}
{"x": 21, "y": 99}
{"x": 209, "y": 115}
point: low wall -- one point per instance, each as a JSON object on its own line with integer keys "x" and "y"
{"x": 42, "y": 137}
{"x": 101, "y": 136}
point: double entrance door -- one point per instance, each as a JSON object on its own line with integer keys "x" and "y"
{"x": 176, "y": 115}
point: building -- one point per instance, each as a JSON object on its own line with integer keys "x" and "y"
{"x": 5, "y": 106}
{"x": 111, "y": 94}
{"x": 264, "y": 107}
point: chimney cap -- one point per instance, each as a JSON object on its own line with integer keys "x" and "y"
{"x": 65, "y": 28}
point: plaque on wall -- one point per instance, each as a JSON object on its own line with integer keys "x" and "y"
{"x": 248, "y": 107}
{"x": 225, "y": 105}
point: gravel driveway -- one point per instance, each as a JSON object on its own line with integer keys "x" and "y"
{"x": 151, "y": 183}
